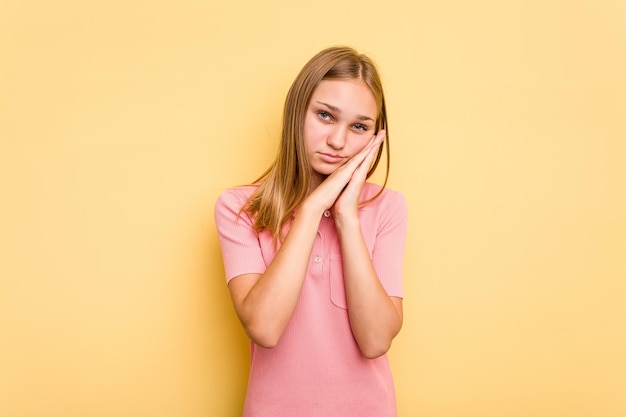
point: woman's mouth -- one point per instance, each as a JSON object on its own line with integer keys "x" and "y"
{"x": 331, "y": 158}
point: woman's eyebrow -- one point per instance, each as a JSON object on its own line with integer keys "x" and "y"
{"x": 337, "y": 110}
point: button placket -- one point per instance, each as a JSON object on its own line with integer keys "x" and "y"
{"x": 317, "y": 264}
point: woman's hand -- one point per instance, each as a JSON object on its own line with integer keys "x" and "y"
{"x": 342, "y": 188}
{"x": 347, "y": 203}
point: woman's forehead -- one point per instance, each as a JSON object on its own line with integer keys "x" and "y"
{"x": 346, "y": 96}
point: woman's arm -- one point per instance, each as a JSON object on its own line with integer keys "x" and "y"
{"x": 265, "y": 302}
{"x": 375, "y": 317}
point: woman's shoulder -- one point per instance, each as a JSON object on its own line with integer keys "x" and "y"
{"x": 388, "y": 208}
{"x": 389, "y": 204}
{"x": 387, "y": 195}
{"x": 235, "y": 197}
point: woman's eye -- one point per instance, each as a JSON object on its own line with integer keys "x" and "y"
{"x": 324, "y": 115}
{"x": 360, "y": 127}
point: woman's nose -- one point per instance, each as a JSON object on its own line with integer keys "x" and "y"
{"x": 337, "y": 138}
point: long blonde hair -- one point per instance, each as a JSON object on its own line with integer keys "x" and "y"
{"x": 283, "y": 187}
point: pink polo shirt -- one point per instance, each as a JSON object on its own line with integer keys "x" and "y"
{"x": 317, "y": 370}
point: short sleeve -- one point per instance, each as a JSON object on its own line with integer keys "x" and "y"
{"x": 241, "y": 250}
{"x": 389, "y": 247}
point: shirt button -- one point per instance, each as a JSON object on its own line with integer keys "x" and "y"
{"x": 318, "y": 259}
{"x": 327, "y": 213}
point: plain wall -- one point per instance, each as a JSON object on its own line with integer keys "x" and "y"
{"x": 122, "y": 121}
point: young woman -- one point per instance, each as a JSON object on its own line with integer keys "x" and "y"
{"x": 313, "y": 253}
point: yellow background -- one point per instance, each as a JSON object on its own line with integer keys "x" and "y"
{"x": 121, "y": 122}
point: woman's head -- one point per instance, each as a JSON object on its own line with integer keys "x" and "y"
{"x": 336, "y": 63}
{"x": 340, "y": 121}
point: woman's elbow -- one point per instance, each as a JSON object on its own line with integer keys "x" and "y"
{"x": 374, "y": 350}
{"x": 266, "y": 343}
{"x": 263, "y": 336}
{"x": 373, "y": 345}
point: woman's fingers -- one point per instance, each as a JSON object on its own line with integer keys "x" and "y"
{"x": 370, "y": 153}
{"x": 373, "y": 144}
{"x": 349, "y": 197}
{"x": 359, "y": 159}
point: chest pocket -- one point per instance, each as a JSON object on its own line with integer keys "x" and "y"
{"x": 337, "y": 287}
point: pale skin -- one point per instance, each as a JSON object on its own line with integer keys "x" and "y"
{"x": 341, "y": 145}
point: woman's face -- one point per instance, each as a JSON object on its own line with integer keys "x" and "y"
{"x": 339, "y": 122}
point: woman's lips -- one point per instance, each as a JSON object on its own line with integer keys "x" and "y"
{"x": 330, "y": 158}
